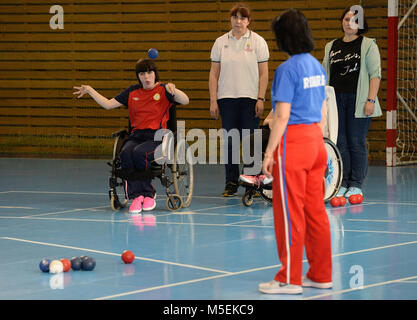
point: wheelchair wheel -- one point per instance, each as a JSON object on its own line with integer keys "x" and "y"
{"x": 174, "y": 202}
{"x": 334, "y": 172}
{"x": 115, "y": 202}
{"x": 183, "y": 174}
{"x": 118, "y": 144}
{"x": 266, "y": 194}
{"x": 247, "y": 198}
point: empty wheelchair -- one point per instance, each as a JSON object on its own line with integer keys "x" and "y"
{"x": 173, "y": 168}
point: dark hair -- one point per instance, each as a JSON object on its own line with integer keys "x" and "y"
{"x": 292, "y": 32}
{"x": 146, "y": 65}
{"x": 241, "y": 8}
{"x": 365, "y": 23}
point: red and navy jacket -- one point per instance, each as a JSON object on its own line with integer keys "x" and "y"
{"x": 148, "y": 109}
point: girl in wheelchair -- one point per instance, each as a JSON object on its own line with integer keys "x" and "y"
{"x": 148, "y": 103}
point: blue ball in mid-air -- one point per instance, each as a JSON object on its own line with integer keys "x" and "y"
{"x": 153, "y": 53}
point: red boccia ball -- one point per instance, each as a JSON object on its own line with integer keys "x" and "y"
{"x": 67, "y": 264}
{"x": 342, "y": 201}
{"x": 335, "y": 202}
{"x": 353, "y": 199}
{"x": 359, "y": 199}
{"x": 128, "y": 256}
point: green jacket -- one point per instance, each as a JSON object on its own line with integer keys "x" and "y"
{"x": 370, "y": 68}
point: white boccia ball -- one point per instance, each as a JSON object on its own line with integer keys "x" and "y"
{"x": 56, "y": 266}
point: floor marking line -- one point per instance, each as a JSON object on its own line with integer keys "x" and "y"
{"x": 371, "y": 220}
{"x": 64, "y": 211}
{"x": 359, "y": 288}
{"x": 10, "y": 207}
{"x": 116, "y": 254}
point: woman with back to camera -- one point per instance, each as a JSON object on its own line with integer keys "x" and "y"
{"x": 238, "y": 81}
{"x": 297, "y": 159}
{"x": 353, "y": 67}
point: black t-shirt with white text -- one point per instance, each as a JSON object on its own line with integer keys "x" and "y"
{"x": 345, "y": 61}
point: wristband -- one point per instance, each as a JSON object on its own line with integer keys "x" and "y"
{"x": 262, "y": 99}
{"x": 371, "y": 100}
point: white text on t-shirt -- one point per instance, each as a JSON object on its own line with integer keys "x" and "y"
{"x": 314, "y": 81}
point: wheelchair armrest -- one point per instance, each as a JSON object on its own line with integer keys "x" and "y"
{"x": 121, "y": 133}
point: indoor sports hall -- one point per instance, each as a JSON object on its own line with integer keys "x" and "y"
{"x": 56, "y": 152}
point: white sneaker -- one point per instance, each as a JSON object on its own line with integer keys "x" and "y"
{"x": 353, "y": 190}
{"x": 320, "y": 285}
{"x": 341, "y": 192}
{"x": 276, "y": 287}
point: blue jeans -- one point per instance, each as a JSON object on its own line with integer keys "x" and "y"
{"x": 236, "y": 113}
{"x": 351, "y": 141}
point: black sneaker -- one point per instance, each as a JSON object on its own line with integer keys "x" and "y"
{"x": 230, "y": 189}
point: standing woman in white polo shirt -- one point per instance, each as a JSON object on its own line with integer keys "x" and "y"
{"x": 237, "y": 83}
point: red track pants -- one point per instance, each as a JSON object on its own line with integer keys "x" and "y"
{"x": 300, "y": 217}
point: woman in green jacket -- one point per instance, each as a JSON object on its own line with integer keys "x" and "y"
{"x": 353, "y": 67}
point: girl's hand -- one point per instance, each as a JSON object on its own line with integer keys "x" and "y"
{"x": 170, "y": 87}
{"x": 82, "y": 90}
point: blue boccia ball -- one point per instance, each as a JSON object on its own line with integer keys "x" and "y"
{"x": 76, "y": 263}
{"x": 88, "y": 264}
{"x": 44, "y": 265}
{"x": 153, "y": 53}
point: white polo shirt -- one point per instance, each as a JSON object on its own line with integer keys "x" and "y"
{"x": 239, "y": 73}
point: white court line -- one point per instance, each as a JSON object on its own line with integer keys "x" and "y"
{"x": 371, "y": 220}
{"x": 59, "y": 212}
{"x": 116, "y": 254}
{"x": 9, "y": 207}
{"x": 359, "y": 288}
{"x": 55, "y": 192}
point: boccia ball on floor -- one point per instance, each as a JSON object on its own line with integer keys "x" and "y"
{"x": 56, "y": 266}
{"x": 66, "y": 263}
{"x": 128, "y": 256}
{"x": 76, "y": 263}
{"x": 44, "y": 265}
{"x": 88, "y": 263}
{"x": 355, "y": 199}
{"x": 335, "y": 202}
{"x": 342, "y": 201}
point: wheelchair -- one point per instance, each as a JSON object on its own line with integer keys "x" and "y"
{"x": 332, "y": 178}
{"x": 175, "y": 173}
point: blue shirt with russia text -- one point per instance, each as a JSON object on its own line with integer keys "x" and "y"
{"x": 300, "y": 81}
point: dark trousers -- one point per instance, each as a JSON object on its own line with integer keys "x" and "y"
{"x": 137, "y": 154}
{"x": 236, "y": 113}
{"x": 265, "y": 138}
{"x": 351, "y": 141}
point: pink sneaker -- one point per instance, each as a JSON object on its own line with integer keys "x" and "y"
{"x": 149, "y": 204}
{"x": 255, "y": 180}
{"x": 248, "y": 179}
{"x": 136, "y": 206}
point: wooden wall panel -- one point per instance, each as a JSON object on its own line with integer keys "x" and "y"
{"x": 99, "y": 45}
